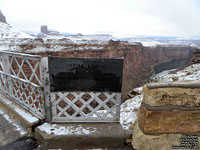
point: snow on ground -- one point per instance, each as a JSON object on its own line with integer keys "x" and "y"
{"x": 18, "y": 127}
{"x": 150, "y": 43}
{"x": 30, "y": 118}
{"x": 26, "y": 115}
{"x": 6, "y": 31}
{"x": 138, "y": 90}
{"x": 163, "y": 73}
{"x": 48, "y": 36}
{"x": 102, "y": 113}
{"x": 191, "y": 72}
{"x": 66, "y": 130}
{"x": 129, "y": 109}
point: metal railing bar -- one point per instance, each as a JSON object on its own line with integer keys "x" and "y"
{"x": 22, "y": 55}
{"x": 22, "y": 80}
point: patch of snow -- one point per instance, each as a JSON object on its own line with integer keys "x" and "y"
{"x": 150, "y": 43}
{"x": 30, "y": 118}
{"x": 163, "y": 73}
{"x": 102, "y": 113}
{"x": 138, "y": 90}
{"x": 18, "y": 127}
{"x": 47, "y": 36}
{"x": 6, "y": 31}
{"x": 129, "y": 110}
{"x": 26, "y": 115}
{"x": 191, "y": 72}
{"x": 66, "y": 130}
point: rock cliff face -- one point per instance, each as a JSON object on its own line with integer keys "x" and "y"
{"x": 44, "y": 29}
{"x": 2, "y": 17}
{"x": 7, "y": 31}
{"x": 168, "y": 111}
{"x": 196, "y": 57}
{"x": 138, "y": 60}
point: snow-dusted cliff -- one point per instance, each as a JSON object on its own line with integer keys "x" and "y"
{"x": 7, "y": 31}
{"x": 129, "y": 109}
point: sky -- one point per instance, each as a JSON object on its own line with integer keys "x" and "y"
{"x": 137, "y": 17}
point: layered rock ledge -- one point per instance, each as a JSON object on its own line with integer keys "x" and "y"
{"x": 168, "y": 111}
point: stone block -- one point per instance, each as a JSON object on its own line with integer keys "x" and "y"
{"x": 173, "y": 121}
{"x": 80, "y": 136}
{"x": 18, "y": 113}
{"x": 176, "y": 96}
{"x": 142, "y": 141}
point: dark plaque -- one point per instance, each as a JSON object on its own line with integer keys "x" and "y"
{"x": 85, "y": 74}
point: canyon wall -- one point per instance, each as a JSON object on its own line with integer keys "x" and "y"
{"x": 176, "y": 63}
{"x": 138, "y": 60}
{"x": 196, "y": 56}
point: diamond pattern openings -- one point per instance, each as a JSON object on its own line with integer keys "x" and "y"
{"x": 26, "y": 69}
{"x": 85, "y": 106}
{"x": 24, "y": 94}
{"x": 20, "y": 79}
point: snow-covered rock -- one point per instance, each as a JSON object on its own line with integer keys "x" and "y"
{"x": 191, "y": 72}
{"x": 49, "y": 34}
{"x": 66, "y": 130}
{"x": 129, "y": 108}
{"x": 2, "y": 17}
{"x": 7, "y": 31}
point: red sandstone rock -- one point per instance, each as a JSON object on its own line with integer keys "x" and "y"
{"x": 138, "y": 60}
{"x": 175, "y": 121}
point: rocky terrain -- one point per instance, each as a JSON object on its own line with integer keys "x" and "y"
{"x": 50, "y": 34}
{"x": 6, "y": 31}
{"x": 2, "y": 18}
{"x": 129, "y": 109}
{"x": 138, "y": 60}
{"x": 196, "y": 57}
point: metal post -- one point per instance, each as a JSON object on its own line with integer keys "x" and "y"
{"x": 118, "y": 105}
{"x": 44, "y": 72}
{"x": 6, "y": 69}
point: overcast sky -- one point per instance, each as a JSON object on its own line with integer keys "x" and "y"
{"x": 140, "y": 17}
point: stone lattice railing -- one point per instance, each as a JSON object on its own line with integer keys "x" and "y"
{"x": 25, "y": 79}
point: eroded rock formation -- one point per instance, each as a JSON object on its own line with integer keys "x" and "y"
{"x": 138, "y": 60}
{"x": 168, "y": 112}
{"x": 45, "y": 32}
{"x": 2, "y": 17}
{"x": 196, "y": 57}
{"x": 44, "y": 29}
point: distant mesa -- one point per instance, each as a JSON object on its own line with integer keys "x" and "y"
{"x": 44, "y": 29}
{"x": 76, "y": 35}
{"x": 49, "y": 33}
{"x": 2, "y": 18}
{"x": 45, "y": 32}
